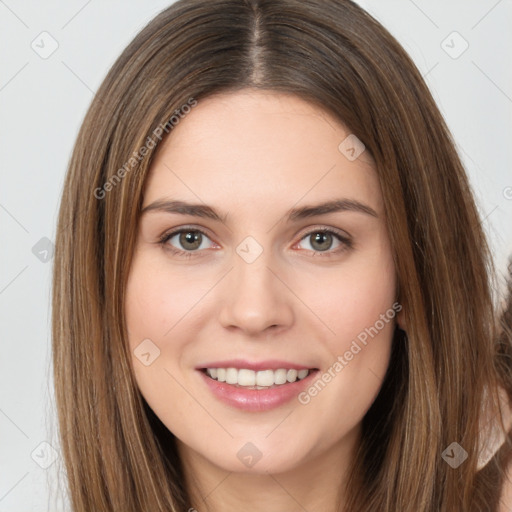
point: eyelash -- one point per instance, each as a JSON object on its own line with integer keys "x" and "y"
{"x": 345, "y": 241}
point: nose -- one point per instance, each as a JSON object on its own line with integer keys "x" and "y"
{"x": 255, "y": 298}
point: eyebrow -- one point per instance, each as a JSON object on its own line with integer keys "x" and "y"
{"x": 338, "y": 205}
{"x": 205, "y": 211}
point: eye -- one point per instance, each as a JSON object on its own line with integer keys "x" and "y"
{"x": 185, "y": 241}
{"x": 323, "y": 240}
{"x": 190, "y": 241}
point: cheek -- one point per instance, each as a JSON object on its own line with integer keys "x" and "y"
{"x": 157, "y": 310}
{"x": 352, "y": 299}
{"x": 157, "y": 300}
{"x": 358, "y": 305}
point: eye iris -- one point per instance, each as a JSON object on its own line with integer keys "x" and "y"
{"x": 319, "y": 241}
{"x": 190, "y": 237}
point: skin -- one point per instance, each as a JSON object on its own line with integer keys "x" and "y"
{"x": 253, "y": 156}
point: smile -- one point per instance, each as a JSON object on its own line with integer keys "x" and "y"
{"x": 255, "y": 387}
{"x": 251, "y": 379}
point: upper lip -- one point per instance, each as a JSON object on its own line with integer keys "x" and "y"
{"x": 270, "y": 364}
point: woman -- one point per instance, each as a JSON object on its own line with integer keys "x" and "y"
{"x": 271, "y": 288}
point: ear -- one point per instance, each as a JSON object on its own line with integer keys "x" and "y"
{"x": 401, "y": 320}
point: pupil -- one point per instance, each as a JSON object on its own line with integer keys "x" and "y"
{"x": 321, "y": 238}
{"x": 190, "y": 237}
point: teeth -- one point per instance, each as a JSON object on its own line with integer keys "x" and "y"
{"x": 246, "y": 378}
{"x": 231, "y": 376}
{"x": 291, "y": 375}
{"x": 265, "y": 378}
{"x": 303, "y": 373}
{"x": 280, "y": 376}
{"x": 257, "y": 380}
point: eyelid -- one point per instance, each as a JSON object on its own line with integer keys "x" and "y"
{"x": 345, "y": 240}
{"x": 167, "y": 235}
{"x": 323, "y": 228}
{"x": 342, "y": 236}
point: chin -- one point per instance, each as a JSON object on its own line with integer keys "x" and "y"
{"x": 259, "y": 457}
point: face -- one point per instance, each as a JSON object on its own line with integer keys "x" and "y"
{"x": 260, "y": 301}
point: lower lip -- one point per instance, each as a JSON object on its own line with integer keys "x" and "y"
{"x": 256, "y": 400}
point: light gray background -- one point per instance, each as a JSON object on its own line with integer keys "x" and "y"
{"x": 43, "y": 101}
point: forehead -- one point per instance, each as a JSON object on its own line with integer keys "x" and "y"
{"x": 253, "y": 147}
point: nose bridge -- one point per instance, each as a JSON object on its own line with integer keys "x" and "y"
{"x": 253, "y": 274}
{"x": 255, "y": 299}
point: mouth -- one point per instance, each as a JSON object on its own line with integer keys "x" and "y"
{"x": 262, "y": 379}
{"x": 256, "y": 387}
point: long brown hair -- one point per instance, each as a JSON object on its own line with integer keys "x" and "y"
{"x": 118, "y": 455}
